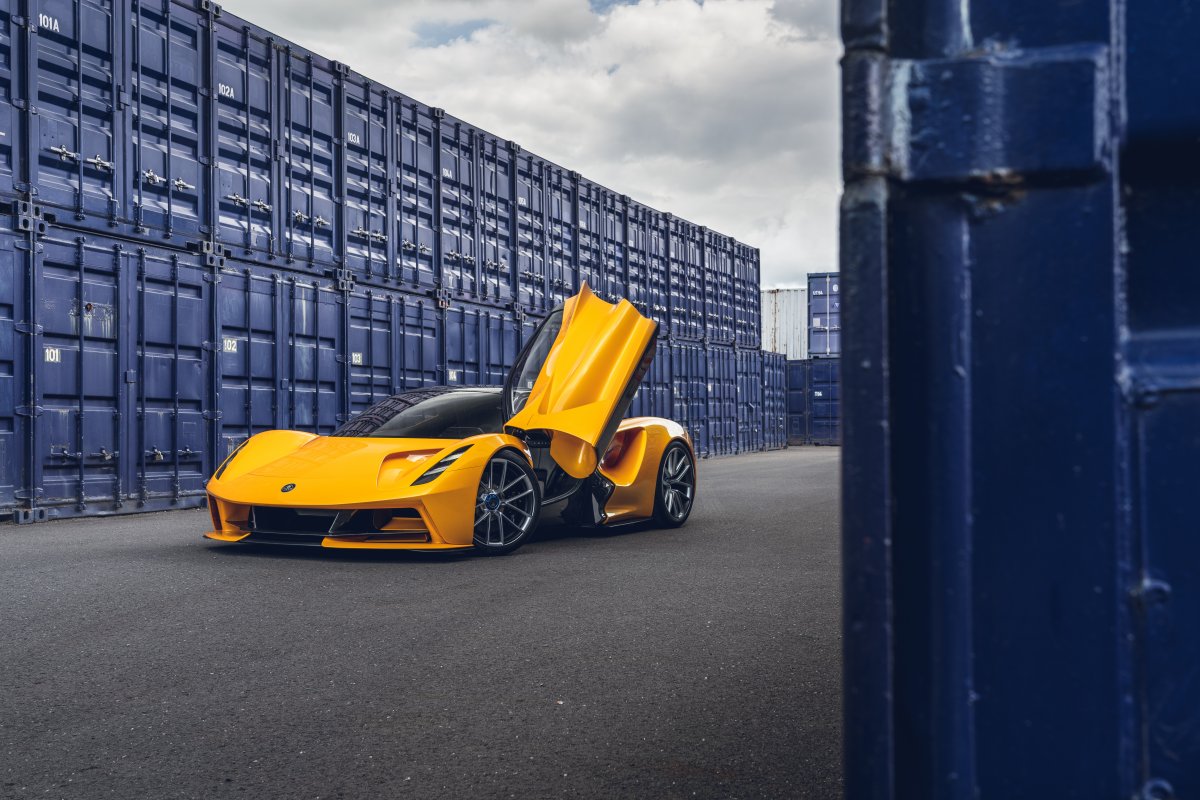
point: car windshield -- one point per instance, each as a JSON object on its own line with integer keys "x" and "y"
{"x": 448, "y": 414}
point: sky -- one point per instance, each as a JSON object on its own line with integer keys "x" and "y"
{"x": 724, "y": 112}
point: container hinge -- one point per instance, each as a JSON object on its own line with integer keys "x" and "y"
{"x": 29, "y": 411}
{"x": 211, "y": 415}
{"x": 211, "y": 277}
{"x": 991, "y": 119}
{"x": 28, "y": 328}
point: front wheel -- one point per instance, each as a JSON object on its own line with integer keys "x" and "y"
{"x": 507, "y": 504}
{"x": 676, "y": 486}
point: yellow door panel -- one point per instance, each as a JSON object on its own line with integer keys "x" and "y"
{"x": 592, "y": 356}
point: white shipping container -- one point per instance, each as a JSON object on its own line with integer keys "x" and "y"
{"x": 785, "y": 322}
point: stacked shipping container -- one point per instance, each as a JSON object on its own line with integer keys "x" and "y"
{"x": 813, "y": 401}
{"x": 214, "y": 232}
{"x": 824, "y": 315}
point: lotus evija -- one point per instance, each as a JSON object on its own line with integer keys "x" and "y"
{"x": 446, "y": 468}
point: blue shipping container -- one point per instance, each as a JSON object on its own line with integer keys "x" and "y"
{"x": 178, "y": 124}
{"x": 814, "y": 401}
{"x": 1022, "y": 397}
{"x": 824, "y": 315}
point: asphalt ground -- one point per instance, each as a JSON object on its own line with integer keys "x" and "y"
{"x": 138, "y": 660}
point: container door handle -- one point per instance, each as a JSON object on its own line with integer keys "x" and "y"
{"x": 155, "y": 454}
{"x": 360, "y": 231}
{"x": 100, "y": 163}
{"x": 153, "y": 178}
{"x": 262, "y": 206}
{"x": 181, "y": 184}
{"x": 379, "y": 237}
{"x": 300, "y": 216}
{"x": 104, "y": 455}
{"x": 320, "y": 222}
{"x": 64, "y": 153}
{"x": 187, "y": 452}
{"x": 65, "y": 453}
{"x": 237, "y": 199}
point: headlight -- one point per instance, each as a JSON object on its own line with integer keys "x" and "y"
{"x": 441, "y": 466}
{"x": 229, "y": 460}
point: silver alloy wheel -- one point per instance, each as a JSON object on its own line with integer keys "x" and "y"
{"x": 678, "y": 483}
{"x": 506, "y": 507}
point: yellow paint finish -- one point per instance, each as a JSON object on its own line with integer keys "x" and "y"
{"x": 634, "y": 472}
{"x": 595, "y": 356}
{"x": 360, "y": 473}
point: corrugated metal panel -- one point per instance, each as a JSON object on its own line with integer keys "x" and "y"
{"x": 747, "y": 295}
{"x": 785, "y": 322}
{"x": 824, "y": 315}
{"x": 824, "y": 401}
{"x": 722, "y": 415}
{"x": 774, "y": 382}
{"x": 1020, "y": 218}
{"x": 750, "y": 400}
{"x": 11, "y": 145}
{"x": 814, "y": 401}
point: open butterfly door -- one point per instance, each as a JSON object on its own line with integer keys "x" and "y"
{"x": 576, "y": 376}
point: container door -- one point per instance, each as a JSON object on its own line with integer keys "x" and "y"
{"x": 418, "y": 183}
{"x": 169, "y": 112}
{"x": 244, "y": 103}
{"x": 10, "y": 120}
{"x": 75, "y": 89}
{"x": 310, "y": 219}
{"x": 170, "y": 387}
{"x": 496, "y": 220}
{"x": 576, "y": 377}
{"x": 84, "y": 379}
{"x": 368, "y": 179}
{"x": 13, "y": 353}
{"x": 458, "y": 207}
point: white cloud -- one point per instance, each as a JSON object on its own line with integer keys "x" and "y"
{"x": 725, "y": 112}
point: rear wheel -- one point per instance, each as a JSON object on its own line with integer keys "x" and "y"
{"x": 507, "y": 504}
{"x": 676, "y": 486}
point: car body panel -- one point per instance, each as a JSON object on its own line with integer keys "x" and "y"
{"x": 600, "y": 352}
{"x": 632, "y": 462}
{"x": 361, "y": 474}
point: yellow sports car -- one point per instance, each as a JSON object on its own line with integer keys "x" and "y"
{"x": 447, "y": 468}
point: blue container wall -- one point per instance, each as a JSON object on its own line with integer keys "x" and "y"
{"x": 178, "y": 124}
{"x": 981, "y": 527}
{"x": 824, "y": 315}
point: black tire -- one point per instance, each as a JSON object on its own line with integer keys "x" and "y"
{"x": 508, "y": 504}
{"x": 675, "y": 493}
